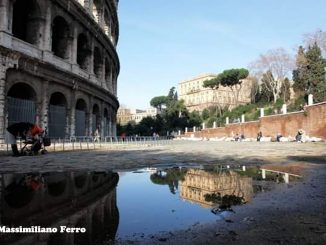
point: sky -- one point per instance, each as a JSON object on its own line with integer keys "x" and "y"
{"x": 164, "y": 42}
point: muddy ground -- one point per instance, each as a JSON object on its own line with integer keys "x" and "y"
{"x": 289, "y": 214}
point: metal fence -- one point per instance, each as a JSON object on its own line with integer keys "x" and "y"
{"x": 86, "y": 143}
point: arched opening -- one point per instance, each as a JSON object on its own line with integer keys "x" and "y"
{"x": 80, "y": 118}
{"x": 82, "y": 238}
{"x": 106, "y": 23}
{"x": 98, "y": 232}
{"x": 98, "y": 63}
{"x": 97, "y": 10}
{"x": 83, "y": 51}
{"x": 108, "y": 74}
{"x": 60, "y": 37}
{"x": 27, "y": 21}
{"x": 95, "y": 118}
{"x": 21, "y": 104}
{"x": 57, "y": 115}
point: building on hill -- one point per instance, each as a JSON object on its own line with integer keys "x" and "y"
{"x": 197, "y": 97}
{"x": 128, "y": 115}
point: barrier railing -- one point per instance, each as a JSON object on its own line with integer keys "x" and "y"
{"x": 92, "y": 143}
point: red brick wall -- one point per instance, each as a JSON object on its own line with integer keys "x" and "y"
{"x": 312, "y": 121}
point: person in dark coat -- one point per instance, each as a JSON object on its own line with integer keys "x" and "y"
{"x": 22, "y": 129}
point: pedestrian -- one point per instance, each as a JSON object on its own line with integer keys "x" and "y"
{"x": 24, "y": 130}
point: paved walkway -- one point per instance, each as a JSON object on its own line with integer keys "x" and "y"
{"x": 177, "y": 152}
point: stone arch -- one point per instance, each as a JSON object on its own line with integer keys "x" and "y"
{"x": 82, "y": 238}
{"x": 96, "y": 118}
{"x": 80, "y": 118}
{"x": 57, "y": 115}
{"x": 60, "y": 37}
{"x": 21, "y": 99}
{"x": 27, "y": 21}
{"x": 83, "y": 51}
{"x": 98, "y": 63}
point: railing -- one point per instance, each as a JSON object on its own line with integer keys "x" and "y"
{"x": 86, "y": 143}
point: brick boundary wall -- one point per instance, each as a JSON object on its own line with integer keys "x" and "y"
{"x": 312, "y": 121}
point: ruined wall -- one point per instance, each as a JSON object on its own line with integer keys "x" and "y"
{"x": 312, "y": 121}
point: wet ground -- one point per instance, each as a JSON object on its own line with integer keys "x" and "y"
{"x": 213, "y": 200}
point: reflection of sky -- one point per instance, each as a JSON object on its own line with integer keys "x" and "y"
{"x": 148, "y": 208}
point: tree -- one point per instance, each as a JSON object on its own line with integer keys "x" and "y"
{"x": 309, "y": 77}
{"x": 276, "y": 65}
{"x": 318, "y": 37}
{"x": 285, "y": 90}
{"x": 233, "y": 79}
{"x": 159, "y": 101}
{"x": 214, "y": 84}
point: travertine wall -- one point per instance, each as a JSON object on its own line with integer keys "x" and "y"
{"x": 312, "y": 121}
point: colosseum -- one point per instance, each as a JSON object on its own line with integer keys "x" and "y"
{"x": 59, "y": 65}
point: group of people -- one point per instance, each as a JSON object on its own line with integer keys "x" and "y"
{"x": 279, "y": 136}
{"x": 23, "y": 130}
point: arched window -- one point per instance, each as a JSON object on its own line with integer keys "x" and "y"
{"x": 80, "y": 118}
{"x": 60, "y": 37}
{"x": 83, "y": 51}
{"x": 27, "y": 21}
{"x": 98, "y": 63}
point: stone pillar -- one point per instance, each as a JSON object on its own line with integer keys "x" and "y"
{"x": 73, "y": 56}
{"x": 263, "y": 173}
{"x": 284, "y": 109}
{"x": 214, "y": 125}
{"x": 243, "y": 168}
{"x": 262, "y": 112}
{"x": 4, "y": 11}
{"x": 3, "y": 118}
{"x": 194, "y": 129}
{"x": 242, "y": 118}
{"x": 179, "y": 132}
{"x": 44, "y": 120}
{"x": 186, "y": 130}
{"x": 203, "y": 125}
{"x": 310, "y": 99}
{"x": 47, "y": 44}
{"x": 227, "y": 120}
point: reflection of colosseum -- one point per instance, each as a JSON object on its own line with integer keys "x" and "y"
{"x": 59, "y": 65}
{"x": 77, "y": 199}
{"x": 197, "y": 183}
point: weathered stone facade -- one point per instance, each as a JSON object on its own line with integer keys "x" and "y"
{"x": 59, "y": 65}
{"x": 197, "y": 97}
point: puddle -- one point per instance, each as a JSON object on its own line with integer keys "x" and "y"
{"x": 98, "y": 207}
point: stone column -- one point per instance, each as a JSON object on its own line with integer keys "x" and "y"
{"x": 262, "y": 112}
{"x": 214, "y": 125}
{"x": 203, "y": 125}
{"x": 73, "y": 56}
{"x": 73, "y": 114}
{"x": 186, "y": 130}
{"x": 242, "y": 118}
{"x": 44, "y": 117}
{"x": 310, "y": 99}
{"x": 3, "y": 118}
{"x": 227, "y": 120}
{"x": 284, "y": 109}
{"x": 194, "y": 129}
{"x": 47, "y": 44}
{"x": 179, "y": 132}
{"x": 286, "y": 178}
{"x": 263, "y": 173}
{"x": 4, "y": 11}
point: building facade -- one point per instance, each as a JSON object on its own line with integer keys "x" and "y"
{"x": 126, "y": 115}
{"x": 59, "y": 65}
{"x": 197, "y": 98}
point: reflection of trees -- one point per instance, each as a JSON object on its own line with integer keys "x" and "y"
{"x": 225, "y": 201}
{"x": 169, "y": 177}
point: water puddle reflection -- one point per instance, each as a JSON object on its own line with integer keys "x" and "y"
{"x": 99, "y": 207}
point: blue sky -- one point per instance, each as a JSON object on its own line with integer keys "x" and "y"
{"x": 163, "y": 42}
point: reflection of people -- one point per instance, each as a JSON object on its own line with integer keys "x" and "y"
{"x": 24, "y": 130}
